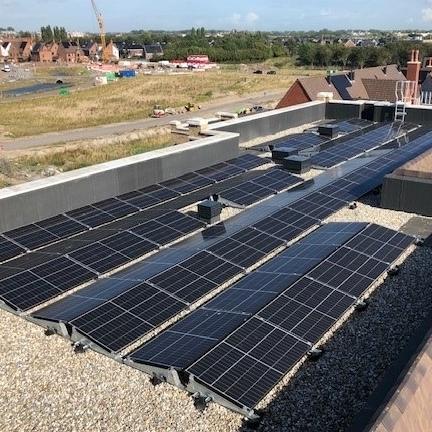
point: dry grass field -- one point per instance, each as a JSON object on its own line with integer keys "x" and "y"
{"x": 120, "y": 101}
{"x": 133, "y": 99}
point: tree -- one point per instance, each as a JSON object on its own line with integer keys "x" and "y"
{"x": 47, "y": 34}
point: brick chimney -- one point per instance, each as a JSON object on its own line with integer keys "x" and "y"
{"x": 413, "y": 70}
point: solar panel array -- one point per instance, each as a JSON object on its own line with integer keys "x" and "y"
{"x": 241, "y": 343}
{"x": 263, "y": 186}
{"x": 308, "y": 139}
{"x": 91, "y": 254}
{"x": 39, "y": 234}
{"x": 258, "y": 328}
{"x": 356, "y": 146}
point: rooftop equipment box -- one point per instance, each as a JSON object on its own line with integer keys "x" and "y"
{"x": 297, "y": 164}
{"x": 329, "y": 130}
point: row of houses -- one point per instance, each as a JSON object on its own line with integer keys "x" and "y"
{"x": 25, "y": 49}
{"x": 375, "y": 83}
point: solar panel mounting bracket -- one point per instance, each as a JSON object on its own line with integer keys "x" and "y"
{"x": 81, "y": 346}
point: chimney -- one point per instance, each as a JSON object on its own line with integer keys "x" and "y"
{"x": 429, "y": 64}
{"x": 351, "y": 75}
{"x": 385, "y": 70}
{"x": 413, "y": 72}
{"x": 329, "y": 79}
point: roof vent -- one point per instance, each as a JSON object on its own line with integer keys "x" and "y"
{"x": 209, "y": 211}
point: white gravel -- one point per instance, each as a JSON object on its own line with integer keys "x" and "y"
{"x": 44, "y": 386}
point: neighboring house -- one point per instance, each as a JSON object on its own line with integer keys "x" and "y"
{"x": 153, "y": 50}
{"x": 45, "y": 52}
{"x": 130, "y": 50}
{"x": 91, "y": 50}
{"x": 4, "y": 50}
{"x": 20, "y": 50}
{"x": 16, "y": 49}
{"x": 376, "y": 83}
{"x": 71, "y": 52}
{"x": 112, "y": 52}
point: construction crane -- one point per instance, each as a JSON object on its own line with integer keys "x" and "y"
{"x": 105, "y": 56}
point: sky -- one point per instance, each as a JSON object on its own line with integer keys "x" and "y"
{"x": 252, "y": 15}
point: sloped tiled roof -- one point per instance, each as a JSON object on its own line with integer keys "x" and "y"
{"x": 380, "y": 90}
{"x": 314, "y": 85}
{"x": 153, "y": 49}
{"x": 375, "y": 83}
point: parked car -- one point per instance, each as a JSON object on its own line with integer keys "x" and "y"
{"x": 6, "y": 68}
{"x": 259, "y": 72}
{"x": 271, "y": 72}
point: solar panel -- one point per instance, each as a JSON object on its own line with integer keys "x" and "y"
{"x": 247, "y": 364}
{"x": 31, "y": 236}
{"x": 221, "y": 171}
{"x": 342, "y": 83}
{"x": 187, "y": 340}
{"x": 277, "y": 180}
{"x": 29, "y": 288}
{"x": 90, "y": 216}
{"x": 246, "y": 193}
{"x": 354, "y": 147}
{"x": 196, "y": 276}
{"x": 99, "y": 258}
{"x": 127, "y": 317}
{"x": 246, "y": 247}
{"x": 61, "y": 226}
{"x": 307, "y": 309}
{"x": 179, "y": 185}
{"x": 9, "y": 249}
{"x": 116, "y": 207}
{"x": 84, "y": 300}
{"x": 196, "y": 180}
{"x": 247, "y": 161}
{"x": 129, "y": 244}
{"x": 139, "y": 199}
{"x": 159, "y": 193}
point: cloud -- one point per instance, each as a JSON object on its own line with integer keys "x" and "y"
{"x": 234, "y": 19}
{"x": 251, "y": 17}
{"x": 325, "y": 12}
{"x": 426, "y": 13}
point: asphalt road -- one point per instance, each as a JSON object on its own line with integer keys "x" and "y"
{"x": 230, "y": 105}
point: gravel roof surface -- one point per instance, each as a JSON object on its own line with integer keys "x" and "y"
{"x": 44, "y": 386}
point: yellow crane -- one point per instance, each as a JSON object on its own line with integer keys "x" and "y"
{"x": 105, "y": 56}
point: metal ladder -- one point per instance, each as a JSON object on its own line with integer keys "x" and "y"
{"x": 405, "y": 92}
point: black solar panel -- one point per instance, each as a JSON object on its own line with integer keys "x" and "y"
{"x": 247, "y": 161}
{"x": 307, "y": 309}
{"x": 31, "y": 236}
{"x": 249, "y": 362}
{"x": 220, "y": 171}
{"x": 198, "y": 275}
{"x": 246, "y": 247}
{"x": 127, "y": 317}
{"x": 90, "y": 216}
{"x": 29, "y": 288}
{"x": 354, "y": 147}
{"x": 129, "y": 244}
{"x": 139, "y": 199}
{"x": 187, "y": 340}
{"x": 9, "y": 249}
{"x": 61, "y": 226}
{"x": 99, "y": 258}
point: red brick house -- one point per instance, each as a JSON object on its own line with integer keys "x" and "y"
{"x": 71, "y": 52}
{"x": 375, "y": 83}
{"x": 16, "y": 49}
{"x": 45, "y": 52}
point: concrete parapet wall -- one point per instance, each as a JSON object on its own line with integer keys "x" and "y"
{"x": 274, "y": 121}
{"x": 41, "y": 199}
{"x": 407, "y": 194}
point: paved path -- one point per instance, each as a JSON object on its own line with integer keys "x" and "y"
{"x": 120, "y": 128}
